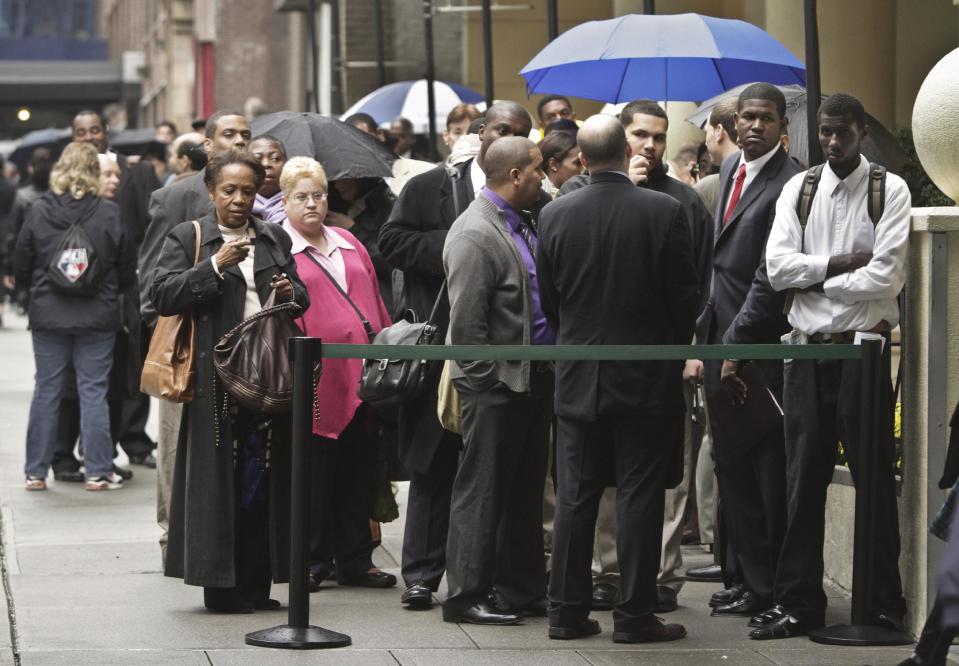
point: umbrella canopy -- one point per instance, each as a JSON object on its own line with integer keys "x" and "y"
{"x": 879, "y": 146}
{"x": 53, "y": 138}
{"x": 677, "y": 57}
{"x": 408, "y": 99}
{"x": 132, "y": 141}
{"x": 343, "y": 150}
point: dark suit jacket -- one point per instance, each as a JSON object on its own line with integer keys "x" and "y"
{"x": 615, "y": 267}
{"x": 743, "y": 308}
{"x": 412, "y": 241}
{"x": 137, "y": 184}
{"x": 184, "y": 200}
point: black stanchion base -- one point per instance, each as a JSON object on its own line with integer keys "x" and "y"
{"x": 859, "y": 634}
{"x": 298, "y": 638}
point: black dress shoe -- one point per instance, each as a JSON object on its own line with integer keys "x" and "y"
{"x": 481, "y": 613}
{"x": 604, "y": 596}
{"x": 267, "y": 604}
{"x": 665, "y": 599}
{"x": 147, "y": 460}
{"x": 655, "y": 631}
{"x": 587, "y": 627}
{"x": 785, "y": 627}
{"x": 370, "y": 579}
{"x": 891, "y": 620}
{"x": 231, "y": 608}
{"x": 709, "y": 574}
{"x": 70, "y": 476}
{"x": 417, "y": 596}
{"x": 747, "y": 605}
{"x": 124, "y": 474}
{"x": 535, "y": 608}
{"x": 727, "y": 596}
{"x": 767, "y": 617}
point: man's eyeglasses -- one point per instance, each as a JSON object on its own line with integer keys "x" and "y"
{"x": 301, "y": 197}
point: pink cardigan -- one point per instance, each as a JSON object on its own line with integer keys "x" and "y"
{"x": 331, "y": 318}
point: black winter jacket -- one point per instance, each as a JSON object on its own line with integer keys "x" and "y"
{"x": 47, "y": 221}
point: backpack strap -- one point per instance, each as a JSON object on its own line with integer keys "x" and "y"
{"x": 876, "y": 197}
{"x": 810, "y": 185}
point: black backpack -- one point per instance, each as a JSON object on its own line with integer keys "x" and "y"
{"x": 75, "y": 269}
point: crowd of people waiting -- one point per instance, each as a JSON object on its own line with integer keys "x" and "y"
{"x": 586, "y": 237}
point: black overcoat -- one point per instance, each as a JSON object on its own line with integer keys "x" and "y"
{"x": 202, "y": 532}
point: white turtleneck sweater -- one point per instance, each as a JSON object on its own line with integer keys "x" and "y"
{"x": 252, "y": 303}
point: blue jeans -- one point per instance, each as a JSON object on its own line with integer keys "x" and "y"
{"x": 91, "y": 354}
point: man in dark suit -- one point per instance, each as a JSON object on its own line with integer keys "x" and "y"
{"x": 412, "y": 241}
{"x": 616, "y": 266}
{"x": 743, "y": 308}
{"x": 187, "y": 199}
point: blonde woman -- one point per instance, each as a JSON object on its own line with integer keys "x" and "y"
{"x": 70, "y": 325}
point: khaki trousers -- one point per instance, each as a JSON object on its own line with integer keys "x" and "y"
{"x": 169, "y": 416}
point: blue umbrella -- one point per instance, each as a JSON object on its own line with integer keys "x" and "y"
{"x": 408, "y": 99}
{"x": 677, "y": 57}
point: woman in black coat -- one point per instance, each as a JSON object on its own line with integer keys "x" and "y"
{"x": 228, "y": 515}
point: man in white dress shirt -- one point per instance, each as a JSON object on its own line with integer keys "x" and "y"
{"x": 845, "y": 273}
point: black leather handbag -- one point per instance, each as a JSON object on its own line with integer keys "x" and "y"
{"x": 252, "y": 362}
{"x": 387, "y": 382}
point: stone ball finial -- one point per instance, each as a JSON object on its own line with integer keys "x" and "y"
{"x": 935, "y": 124}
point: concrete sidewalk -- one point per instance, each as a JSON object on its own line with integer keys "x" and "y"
{"x": 83, "y": 570}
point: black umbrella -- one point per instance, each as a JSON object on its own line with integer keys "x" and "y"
{"x": 343, "y": 150}
{"x": 132, "y": 141}
{"x": 52, "y": 138}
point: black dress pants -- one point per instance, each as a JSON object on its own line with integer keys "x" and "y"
{"x": 496, "y": 513}
{"x": 342, "y": 495}
{"x": 821, "y": 400}
{"x": 428, "y": 516}
{"x": 753, "y": 488}
{"x": 635, "y": 451}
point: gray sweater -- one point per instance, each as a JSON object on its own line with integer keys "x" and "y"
{"x": 490, "y": 299}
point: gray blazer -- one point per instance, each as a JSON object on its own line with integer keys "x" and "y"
{"x": 490, "y": 295}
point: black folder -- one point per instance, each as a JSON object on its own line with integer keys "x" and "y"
{"x": 746, "y": 425}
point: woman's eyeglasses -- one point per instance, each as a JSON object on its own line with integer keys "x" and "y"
{"x": 301, "y": 197}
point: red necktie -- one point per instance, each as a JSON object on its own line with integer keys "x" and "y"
{"x": 737, "y": 191}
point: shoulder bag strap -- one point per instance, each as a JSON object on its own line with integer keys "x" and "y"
{"x": 367, "y": 326}
{"x": 196, "y": 243}
{"x": 454, "y": 175}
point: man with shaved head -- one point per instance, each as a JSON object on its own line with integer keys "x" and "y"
{"x": 615, "y": 265}
{"x": 495, "y": 536}
{"x": 412, "y": 242}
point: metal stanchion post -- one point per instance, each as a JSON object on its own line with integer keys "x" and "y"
{"x": 299, "y": 633}
{"x": 861, "y": 630}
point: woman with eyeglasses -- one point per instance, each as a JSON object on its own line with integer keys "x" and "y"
{"x": 347, "y": 308}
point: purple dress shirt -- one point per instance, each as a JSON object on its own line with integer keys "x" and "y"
{"x": 542, "y": 334}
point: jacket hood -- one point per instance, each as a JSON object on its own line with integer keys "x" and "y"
{"x": 62, "y": 210}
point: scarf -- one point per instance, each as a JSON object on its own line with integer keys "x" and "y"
{"x": 270, "y": 210}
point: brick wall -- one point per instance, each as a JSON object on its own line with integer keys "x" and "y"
{"x": 251, "y": 54}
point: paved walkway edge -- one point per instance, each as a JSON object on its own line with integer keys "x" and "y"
{"x": 7, "y": 591}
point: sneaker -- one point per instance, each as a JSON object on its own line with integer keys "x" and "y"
{"x": 36, "y": 483}
{"x": 109, "y": 481}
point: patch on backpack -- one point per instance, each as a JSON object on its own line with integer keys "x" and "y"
{"x": 73, "y": 263}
